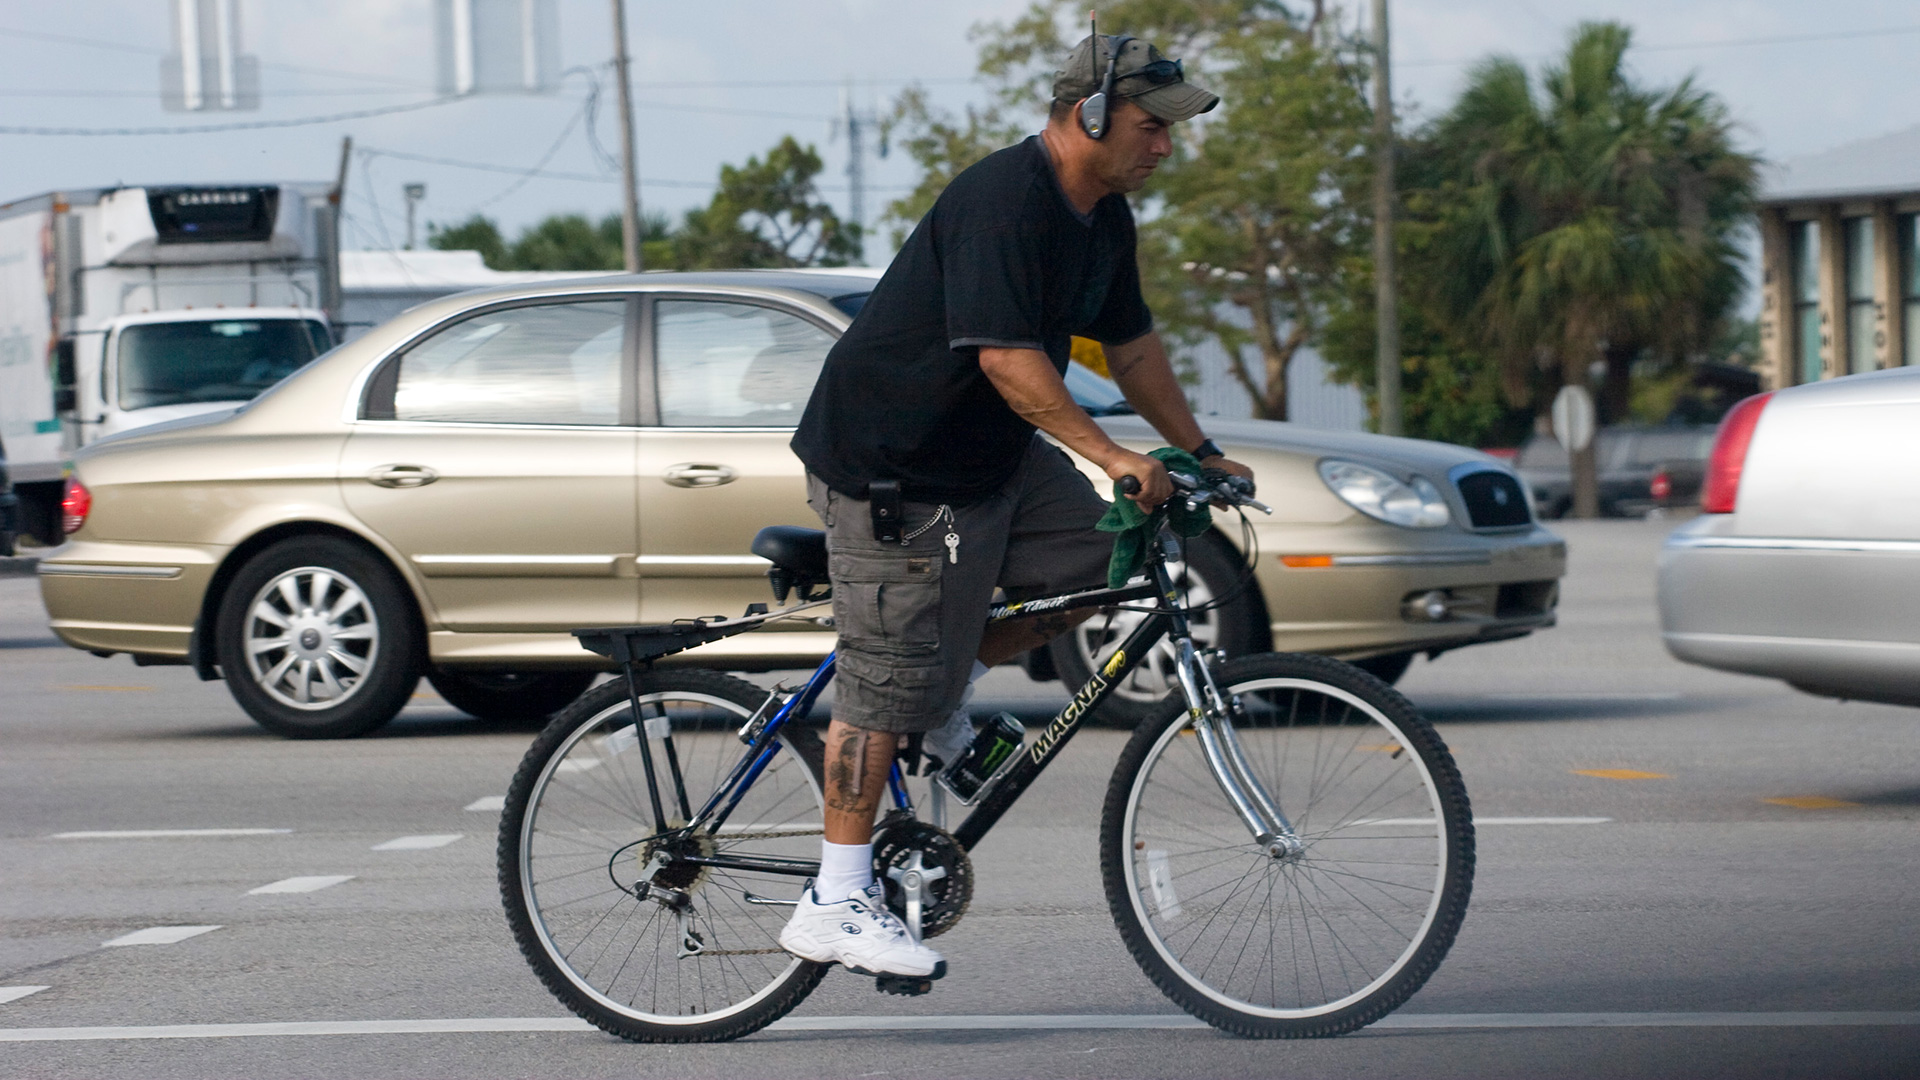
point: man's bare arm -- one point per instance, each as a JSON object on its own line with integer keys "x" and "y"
{"x": 1033, "y": 389}
{"x": 1144, "y": 373}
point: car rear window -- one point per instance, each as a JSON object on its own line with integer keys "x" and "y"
{"x": 1654, "y": 447}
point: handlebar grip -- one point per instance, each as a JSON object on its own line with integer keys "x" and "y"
{"x": 1129, "y": 485}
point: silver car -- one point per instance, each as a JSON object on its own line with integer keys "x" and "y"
{"x": 1805, "y": 565}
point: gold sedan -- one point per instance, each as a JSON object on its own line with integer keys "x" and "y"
{"x": 451, "y": 493}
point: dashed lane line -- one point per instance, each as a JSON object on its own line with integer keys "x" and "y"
{"x": 418, "y": 843}
{"x": 1813, "y": 802}
{"x": 1152, "y": 1021}
{"x": 1578, "y": 695}
{"x": 1494, "y": 821}
{"x": 158, "y": 935}
{"x": 494, "y": 803}
{"x": 15, "y": 993}
{"x": 301, "y": 884}
{"x": 1623, "y": 774}
{"x": 163, "y": 834}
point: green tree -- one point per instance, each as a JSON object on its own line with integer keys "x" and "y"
{"x": 767, "y": 213}
{"x": 1248, "y": 232}
{"x": 1584, "y": 221}
{"x": 477, "y": 233}
{"x": 569, "y": 242}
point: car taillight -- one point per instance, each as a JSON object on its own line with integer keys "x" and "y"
{"x": 1662, "y": 485}
{"x": 1729, "y": 457}
{"x": 75, "y": 504}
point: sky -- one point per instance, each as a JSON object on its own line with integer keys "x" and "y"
{"x": 720, "y": 80}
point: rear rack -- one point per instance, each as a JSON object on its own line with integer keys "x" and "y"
{"x": 647, "y": 642}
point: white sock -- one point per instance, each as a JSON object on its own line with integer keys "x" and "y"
{"x": 845, "y": 869}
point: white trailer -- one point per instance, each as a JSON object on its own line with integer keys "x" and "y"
{"x": 121, "y": 307}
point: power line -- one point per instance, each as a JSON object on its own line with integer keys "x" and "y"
{"x": 239, "y": 125}
{"x": 1676, "y": 46}
{"x": 148, "y": 50}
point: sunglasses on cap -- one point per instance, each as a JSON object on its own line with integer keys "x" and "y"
{"x": 1159, "y": 73}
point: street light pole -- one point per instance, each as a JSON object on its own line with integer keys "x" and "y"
{"x": 629, "y": 170}
{"x": 1387, "y": 307}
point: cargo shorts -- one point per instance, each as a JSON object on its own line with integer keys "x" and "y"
{"x": 910, "y": 614}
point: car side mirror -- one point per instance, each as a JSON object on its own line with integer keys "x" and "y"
{"x": 64, "y": 397}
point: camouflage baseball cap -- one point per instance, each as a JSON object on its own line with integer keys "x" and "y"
{"x": 1142, "y": 76}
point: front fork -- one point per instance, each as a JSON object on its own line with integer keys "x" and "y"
{"x": 1212, "y": 719}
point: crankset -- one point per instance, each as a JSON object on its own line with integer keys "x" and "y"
{"x": 927, "y": 875}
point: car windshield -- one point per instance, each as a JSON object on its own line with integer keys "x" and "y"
{"x": 212, "y": 360}
{"x": 1095, "y": 393}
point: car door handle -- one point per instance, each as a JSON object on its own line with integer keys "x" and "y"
{"x": 402, "y": 476}
{"x": 699, "y": 474}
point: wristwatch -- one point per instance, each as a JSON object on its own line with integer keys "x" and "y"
{"x": 1207, "y": 449}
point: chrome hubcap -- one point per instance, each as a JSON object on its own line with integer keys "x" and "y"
{"x": 1155, "y": 677}
{"x": 311, "y": 638}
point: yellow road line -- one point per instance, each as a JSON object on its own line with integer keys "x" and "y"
{"x": 131, "y": 688}
{"x": 1812, "y": 802}
{"x": 1623, "y": 774}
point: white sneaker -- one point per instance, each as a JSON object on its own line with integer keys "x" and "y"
{"x": 949, "y": 741}
{"x": 858, "y": 933}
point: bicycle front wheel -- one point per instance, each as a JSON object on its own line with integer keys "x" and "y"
{"x": 575, "y": 837}
{"x": 1318, "y": 942}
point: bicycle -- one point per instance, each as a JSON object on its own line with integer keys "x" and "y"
{"x": 656, "y": 918}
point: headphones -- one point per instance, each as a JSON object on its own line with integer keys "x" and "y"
{"x": 1093, "y": 111}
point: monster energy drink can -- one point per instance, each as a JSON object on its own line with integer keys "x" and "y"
{"x": 993, "y": 750}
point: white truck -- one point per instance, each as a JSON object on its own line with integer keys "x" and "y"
{"x": 122, "y": 307}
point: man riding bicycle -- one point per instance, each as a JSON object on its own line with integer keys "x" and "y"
{"x": 925, "y": 463}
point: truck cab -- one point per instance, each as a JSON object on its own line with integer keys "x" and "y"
{"x": 166, "y": 366}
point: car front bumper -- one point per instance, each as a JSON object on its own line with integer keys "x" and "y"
{"x": 1833, "y": 617}
{"x": 1355, "y": 603}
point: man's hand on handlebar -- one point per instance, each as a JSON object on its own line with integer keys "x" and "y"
{"x": 1228, "y": 465}
{"x": 1151, "y": 477}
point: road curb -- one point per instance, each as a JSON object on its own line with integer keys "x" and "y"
{"x": 19, "y": 565}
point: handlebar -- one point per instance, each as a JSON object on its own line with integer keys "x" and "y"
{"x": 1215, "y": 487}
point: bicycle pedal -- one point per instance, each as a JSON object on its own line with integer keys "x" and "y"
{"x": 904, "y": 985}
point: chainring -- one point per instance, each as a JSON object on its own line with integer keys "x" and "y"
{"x": 896, "y": 840}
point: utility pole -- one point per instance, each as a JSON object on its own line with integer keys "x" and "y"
{"x": 629, "y": 171}
{"x": 1386, "y": 297}
{"x": 856, "y": 124}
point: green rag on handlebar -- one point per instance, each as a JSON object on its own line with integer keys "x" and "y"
{"x": 1135, "y": 528}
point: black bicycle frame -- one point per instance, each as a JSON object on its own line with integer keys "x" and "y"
{"x": 764, "y": 743}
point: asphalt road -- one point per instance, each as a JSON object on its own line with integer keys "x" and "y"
{"x": 1746, "y": 908}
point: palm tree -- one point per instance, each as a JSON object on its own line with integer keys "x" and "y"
{"x": 1584, "y": 222}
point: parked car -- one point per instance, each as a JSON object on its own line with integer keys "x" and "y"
{"x": 9, "y": 509}
{"x": 455, "y": 490}
{"x": 1802, "y": 564}
{"x": 1641, "y": 468}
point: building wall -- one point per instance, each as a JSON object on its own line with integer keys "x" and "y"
{"x": 1865, "y": 287}
{"x": 1314, "y": 400}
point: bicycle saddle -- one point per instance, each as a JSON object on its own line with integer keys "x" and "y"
{"x": 799, "y": 558}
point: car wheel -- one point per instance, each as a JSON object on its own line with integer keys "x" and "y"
{"x": 316, "y": 637}
{"x": 1388, "y": 668}
{"x": 510, "y": 696}
{"x": 1212, "y": 570}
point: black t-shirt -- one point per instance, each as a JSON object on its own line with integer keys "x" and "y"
{"x": 1002, "y": 259}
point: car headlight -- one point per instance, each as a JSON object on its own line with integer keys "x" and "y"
{"x": 1415, "y": 505}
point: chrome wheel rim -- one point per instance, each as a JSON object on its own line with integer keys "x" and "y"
{"x": 311, "y": 638}
{"x": 1303, "y": 937}
{"x": 1155, "y": 677}
{"x": 589, "y": 804}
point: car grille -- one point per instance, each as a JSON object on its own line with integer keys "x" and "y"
{"x": 1494, "y": 500}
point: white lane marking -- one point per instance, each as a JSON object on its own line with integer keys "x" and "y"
{"x": 486, "y": 803}
{"x": 15, "y": 993}
{"x": 158, "y": 935}
{"x": 1583, "y": 695}
{"x": 1491, "y": 821}
{"x": 162, "y": 834}
{"x": 1152, "y": 1021}
{"x": 301, "y": 884}
{"x": 573, "y": 765}
{"x": 418, "y": 843}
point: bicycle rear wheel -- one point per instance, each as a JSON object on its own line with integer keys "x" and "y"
{"x": 1314, "y": 944}
{"x": 574, "y": 839}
